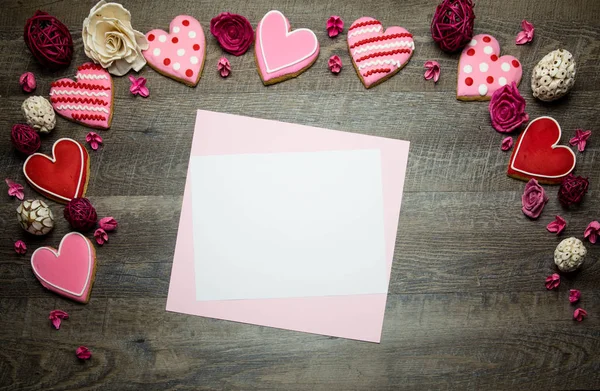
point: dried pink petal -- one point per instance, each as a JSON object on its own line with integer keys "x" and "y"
{"x": 557, "y": 226}
{"x": 574, "y": 295}
{"x": 335, "y": 25}
{"x": 56, "y": 316}
{"x": 15, "y": 189}
{"x": 138, "y": 86}
{"x": 507, "y": 143}
{"x": 101, "y": 236}
{"x": 108, "y": 223}
{"x": 83, "y": 353}
{"x": 526, "y": 35}
{"x": 592, "y": 231}
{"x": 580, "y": 139}
{"x": 27, "y": 82}
{"x": 335, "y": 64}
{"x": 579, "y": 314}
{"x": 224, "y": 67}
{"x": 432, "y": 70}
{"x": 553, "y": 281}
{"x": 94, "y": 140}
{"x": 20, "y": 247}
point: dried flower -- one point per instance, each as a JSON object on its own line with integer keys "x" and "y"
{"x": 507, "y": 143}
{"x": 557, "y": 226}
{"x": 580, "y": 139}
{"x": 335, "y": 25}
{"x": 138, "y": 86}
{"x": 233, "y": 32}
{"x": 432, "y": 70}
{"x": 507, "y": 109}
{"x": 553, "y": 281}
{"x": 533, "y": 199}
{"x": 94, "y": 140}
{"x": 592, "y": 231}
{"x": 27, "y": 82}
{"x": 574, "y": 295}
{"x": 20, "y": 247}
{"x": 335, "y": 64}
{"x": 224, "y": 67}
{"x": 526, "y": 35}
{"x": 101, "y": 236}
{"x": 108, "y": 224}
{"x": 579, "y": 314}
{"x": 56, "y": 316}
{"x": 15, "y": 189}
{"x": 83, "y": 353}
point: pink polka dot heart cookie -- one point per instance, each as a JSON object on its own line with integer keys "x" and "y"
{"x": 481, "y": 71}
{"x": 179, "y": 54}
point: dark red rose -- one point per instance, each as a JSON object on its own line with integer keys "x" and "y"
{"x": 234, "y": 32}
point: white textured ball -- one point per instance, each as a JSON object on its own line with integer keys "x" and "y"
{"x": 35, "y": 217}
{"x": 554, "y": 76}
{"x": 569, "y": 254}
{"x": 39, "y": 114}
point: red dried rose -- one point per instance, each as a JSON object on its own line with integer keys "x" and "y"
{"x": 234, "y": 32}
{"x": 507, "y": 109}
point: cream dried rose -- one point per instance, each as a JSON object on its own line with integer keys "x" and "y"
{"x": 110, "y": 40}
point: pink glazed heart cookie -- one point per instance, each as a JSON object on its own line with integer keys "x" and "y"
{"x": 68, "y": 271}
{"x": 281, "y": 53}
{"x": 481, "y": 72}
{"x": 89, "y": 100}
{"x": 179, "y": 54}
{"x": 378, "y": 55}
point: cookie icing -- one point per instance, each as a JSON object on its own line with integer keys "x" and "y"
{"x": 89, "y": 100}
{"x": 537, "y": 153}
{"x": 378, "y": 54}
{"x": 63, "y": 176}
{"x": 180, "y": 53}
{"x": 481, "y": 71}
{"x": 282, "y": 52}
{"x": 68, "y": 271}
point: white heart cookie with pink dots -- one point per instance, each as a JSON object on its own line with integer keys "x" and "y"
{"x": 179, "y": 54}
{"x": 481, "y": 72}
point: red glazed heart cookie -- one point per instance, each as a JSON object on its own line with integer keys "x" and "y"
{"x": 537, "y": 155}
{"x": 378, "y": 55}
{"x": 180, "y": 53}
{"x": 481, "y": 71}
{"x": 63, "y": 176}
{"x": 68, "y": 271}
{"x": 89, "y": 100}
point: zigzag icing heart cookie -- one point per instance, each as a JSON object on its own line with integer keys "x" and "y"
{"x": 281, "y": 53}
{"x": 180, "y": 53}
{"x": 68, "y": 271}
{"x": 378, "y": 55}
{"x": 538, "y": 155}
{"x": 89, "y": 100}
{"x": 63, "y": 176}
{"x": 481, "y": 72}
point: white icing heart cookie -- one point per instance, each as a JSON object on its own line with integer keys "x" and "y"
{"x": 481, "y": 71}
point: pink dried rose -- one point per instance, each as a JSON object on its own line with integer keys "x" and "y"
{"x": 138, "y": 86}
{"x": 432, "y": 70}
{"x": 533, "y": 199}
{"x": 56, "y": 316}
{"x": 553, "y": 281}
{"x": 233, "y": 32}
{"x": 108, "y": 223}
{"x": 224, "y": 67}
{"x": 580, "y": 139}
{"x": 27, "y": 82}
{"x": 579, "y": 314}
{"x": 592, "y": 231}
{"x": 83, "y": 353}
{"x": 507, "y": 109}
{"x": 15, "y": 189}
{"x": 335, "y": 64}
{"x": 574, "y": 295}
{"x": 335, "y": 25}
{"x": 94, "y": 140}
{"x": 20, "y": 247}
{"x": 526, "y": 34}
{"x": 101, "y": 236}
{"x": 557, "y": 226}
{"x": 507, "y": 143}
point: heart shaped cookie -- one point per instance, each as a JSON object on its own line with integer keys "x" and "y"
{"x": 68, "y": 271}
{"x": 481, "y": 72}
{"x": 180, "y": 53}
{"x": 63, "y": 176}
{"x": 378, "y": 55}
{"x": 89, "y": 100}
{"x": 281, "y": 53}
{"x": 538, "y": 155}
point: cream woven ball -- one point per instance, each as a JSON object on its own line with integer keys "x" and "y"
{"x": 39, "y": 114}
{"x": 35, "y": 217}
{"x": 554, "y": 76}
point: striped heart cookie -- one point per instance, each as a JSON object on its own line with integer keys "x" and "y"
{"x": 378, "y": 55}
{"x": 89, "y": 100}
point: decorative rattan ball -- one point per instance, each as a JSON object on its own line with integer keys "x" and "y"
{"x": 35, "y": 217}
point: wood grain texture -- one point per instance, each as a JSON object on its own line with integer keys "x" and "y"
{"x": 467, "y": 308}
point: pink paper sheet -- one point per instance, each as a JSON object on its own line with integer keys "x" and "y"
{"x": 357, "y": 317}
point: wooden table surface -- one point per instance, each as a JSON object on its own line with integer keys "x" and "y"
{"x": 467, "y": 307}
